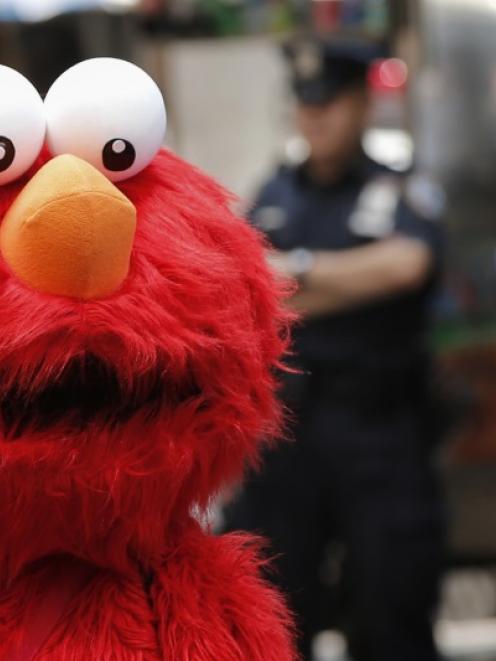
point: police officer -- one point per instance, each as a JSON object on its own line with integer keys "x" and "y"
{"x": 365, "y": 247}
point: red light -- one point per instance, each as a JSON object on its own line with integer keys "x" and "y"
{"x": 391, "y": 74}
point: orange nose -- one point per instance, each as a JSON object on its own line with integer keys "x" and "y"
{"x": 70, "y": 231}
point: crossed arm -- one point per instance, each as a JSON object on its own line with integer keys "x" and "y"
{"x": 340, "y": 280}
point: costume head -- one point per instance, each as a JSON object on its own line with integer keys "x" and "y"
{"x": 139, "y": 329}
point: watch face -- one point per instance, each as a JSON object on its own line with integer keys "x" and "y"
{"x": 270, "y": 219}
{"x": 301, "y": 261}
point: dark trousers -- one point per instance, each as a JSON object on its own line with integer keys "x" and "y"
{"x": 365, "y": 478}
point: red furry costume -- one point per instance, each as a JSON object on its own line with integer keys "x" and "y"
{"x": 120, "y": 415}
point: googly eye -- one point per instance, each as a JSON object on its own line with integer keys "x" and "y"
{"x": 22, "y": 125}
{"x": 108, "y": 112}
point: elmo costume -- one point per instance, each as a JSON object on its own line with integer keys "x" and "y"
{"x": 140, "y": 329}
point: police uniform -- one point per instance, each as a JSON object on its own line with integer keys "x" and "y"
{"x": 360, "y": 469}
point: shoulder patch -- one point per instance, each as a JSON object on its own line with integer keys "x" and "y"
{"x": 425, "y": 197}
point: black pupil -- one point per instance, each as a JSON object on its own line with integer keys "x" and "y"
{"x": 118, "y": 155}
{"x": 7, "y": 153}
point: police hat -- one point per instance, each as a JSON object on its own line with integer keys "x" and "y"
{"x": 323, "y": 68}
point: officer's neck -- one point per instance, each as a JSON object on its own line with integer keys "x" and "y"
{"x": 330, "y": 171}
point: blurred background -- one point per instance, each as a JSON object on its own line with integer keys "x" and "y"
{"x": 225, "y": 82}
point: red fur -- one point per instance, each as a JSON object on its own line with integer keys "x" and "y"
{"x": 199, "y": 305}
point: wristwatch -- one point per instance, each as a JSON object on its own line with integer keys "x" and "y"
{"x": 300, "y": 262}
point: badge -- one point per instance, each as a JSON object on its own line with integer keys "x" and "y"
{"x": 308, "y": 61}
{"x": 373, "y": 216}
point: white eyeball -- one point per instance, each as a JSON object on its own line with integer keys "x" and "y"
{"x": 108, "y": 112}
{"x": 22, "y": 125}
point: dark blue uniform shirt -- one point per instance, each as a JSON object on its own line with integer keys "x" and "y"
{"x": 360, "y": 471}
{"x": 295, "y": 212}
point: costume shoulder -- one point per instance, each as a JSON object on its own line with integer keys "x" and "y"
{"x": 213, "y": 605}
